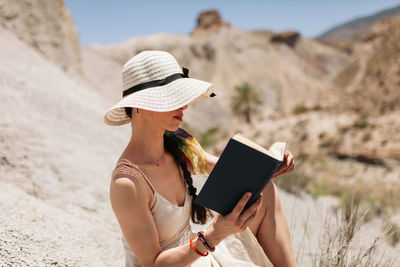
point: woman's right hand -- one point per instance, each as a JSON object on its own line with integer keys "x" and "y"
{"x": 236, "y": 221}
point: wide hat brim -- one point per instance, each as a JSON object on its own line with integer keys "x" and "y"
{"x": 164, "y": 98}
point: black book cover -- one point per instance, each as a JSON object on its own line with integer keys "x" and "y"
{"x": 240, "y": 169}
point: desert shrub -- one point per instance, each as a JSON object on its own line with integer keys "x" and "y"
{"x": 299, "y": 108}
{"x": 361, "y": 123}
{"x": 329, "y": 140}
{"x": 366, "y": 137}
{"x": 208, "y": 137}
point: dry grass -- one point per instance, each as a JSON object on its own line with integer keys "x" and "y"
{"x": 339, "y": 246}
{"x": 362, "y": 122}
{"x": 377, "y": 199}
{"x": 393, "y": 236}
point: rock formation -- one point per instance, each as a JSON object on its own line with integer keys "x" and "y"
{"x": 208, "y": 23}
{"x": 47, "y": 26}
{"x": 370, "y": 82}
{"x": 290, "y": 38}
{"x": 369, "y": 87}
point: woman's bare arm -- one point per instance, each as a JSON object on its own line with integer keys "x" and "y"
{"x": 131, "y": 207}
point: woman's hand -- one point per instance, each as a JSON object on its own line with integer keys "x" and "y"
{"x": 234, "y": 222}
{"x": 287, "y": 165}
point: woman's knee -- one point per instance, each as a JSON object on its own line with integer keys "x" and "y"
{"x": 268, "y": 191}
{"x": 270, "y": 197}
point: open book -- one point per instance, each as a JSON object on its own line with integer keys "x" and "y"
{"x": 243, "y": 166}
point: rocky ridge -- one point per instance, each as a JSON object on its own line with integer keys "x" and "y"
{"x": 369, "y": 87}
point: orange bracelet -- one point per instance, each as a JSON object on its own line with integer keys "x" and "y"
{"x": 195, "y": 249}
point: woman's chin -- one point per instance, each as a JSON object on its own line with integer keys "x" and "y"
{"x": 173, "y": 128}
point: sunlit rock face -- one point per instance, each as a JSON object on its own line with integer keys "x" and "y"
{"x": 47, "y": 26}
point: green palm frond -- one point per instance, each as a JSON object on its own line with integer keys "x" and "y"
{"x": 245, "y": 101}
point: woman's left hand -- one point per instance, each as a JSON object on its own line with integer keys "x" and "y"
{"x": 287, "y": 165}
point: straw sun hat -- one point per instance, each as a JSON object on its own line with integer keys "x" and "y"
{"x": 153, "y": 80}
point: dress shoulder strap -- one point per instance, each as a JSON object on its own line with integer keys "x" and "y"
{"x": 125, "y": 162}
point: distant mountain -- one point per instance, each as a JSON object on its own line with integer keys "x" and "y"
{"x": 358, "y": 27}
{"x": 289, "y": 70}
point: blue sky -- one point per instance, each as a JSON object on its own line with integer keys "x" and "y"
{"x": 106, "y": 22}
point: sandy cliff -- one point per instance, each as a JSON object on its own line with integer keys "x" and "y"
{"x": 46, "y": 26}
{"x": 56, "y": 157}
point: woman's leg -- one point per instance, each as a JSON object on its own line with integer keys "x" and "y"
{"x": 271, "y": 229}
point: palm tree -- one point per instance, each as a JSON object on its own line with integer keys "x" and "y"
{"x": 245, "y": 101}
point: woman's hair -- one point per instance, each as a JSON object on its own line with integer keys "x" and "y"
{"x": 128, "y": 112}
{"x": 199, "y": 213}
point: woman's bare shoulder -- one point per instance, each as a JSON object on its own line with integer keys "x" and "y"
{"x": 129, "y": 182}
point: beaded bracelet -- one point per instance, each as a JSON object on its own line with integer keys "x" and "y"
{"x": 203, "y": 240}
{"x": 195, "y": 249}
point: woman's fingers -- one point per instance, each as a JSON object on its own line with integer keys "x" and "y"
{"x": 248, "y": 221}
{"x": 291, "y": 169}
{"x": 288, "y": 162}
{"x": 282, "y": 167}
{"x": 249, "y": 211}
{"x": 285, "y": 162}
{"x": 241, "y": 204}
{"x": 286, "y": 167}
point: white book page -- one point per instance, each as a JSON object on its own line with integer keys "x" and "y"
{"x": 277, "y": 150}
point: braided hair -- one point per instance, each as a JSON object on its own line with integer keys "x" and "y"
{"x": 199, "y": 213}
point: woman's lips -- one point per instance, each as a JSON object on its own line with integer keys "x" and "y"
{"x": 179, "y": 118}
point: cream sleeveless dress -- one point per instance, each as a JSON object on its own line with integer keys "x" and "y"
{"x": 174, "y": 229}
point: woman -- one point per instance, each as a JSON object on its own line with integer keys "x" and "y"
{"x": 152, "y": 190}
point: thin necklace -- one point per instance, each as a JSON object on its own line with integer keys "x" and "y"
{"x": 153, "y": 163}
